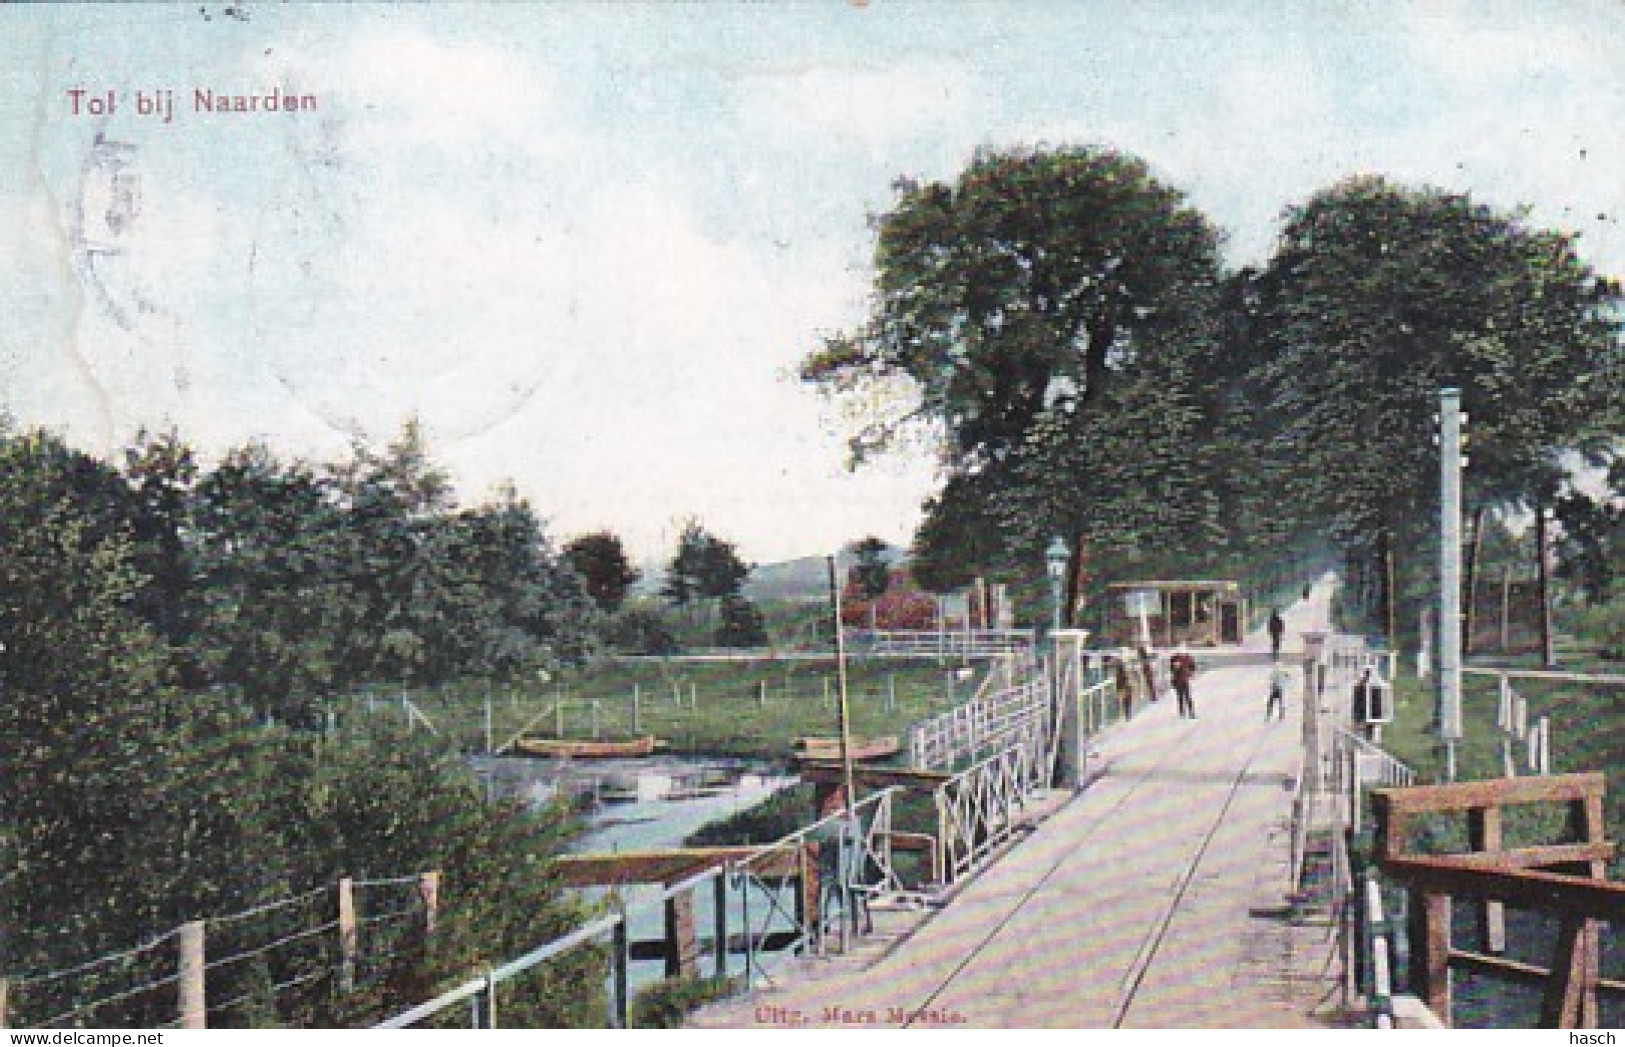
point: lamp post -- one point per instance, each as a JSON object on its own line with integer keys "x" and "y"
{"x": 1055, "y": 558}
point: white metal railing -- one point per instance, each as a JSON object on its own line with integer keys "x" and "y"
{"x": 966, "y": 643}
{"x": 853, "y": 855}
{"x": 1357, "y": 765}
{"x": 764, "y": 895}
{"x": 979, "y": 808}
{"x": 979, "y": 726}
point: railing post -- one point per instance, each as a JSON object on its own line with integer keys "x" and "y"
{"x": 1429, "y": 919}
{"x": 347, "y": 934}
{"x": 482, "y": 1006}
{"x": 619, "y": 959}
{"x": 680, "y": 945}
{"x": 194, "y": 1006}
{"x": 1484, "y": 835}
{"x": 429, "y": 894}
{"x": 719, "y": 918}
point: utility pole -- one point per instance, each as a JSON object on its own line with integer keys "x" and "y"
{"x": 1449, "y": 687}
{"x": 844, "y": 723}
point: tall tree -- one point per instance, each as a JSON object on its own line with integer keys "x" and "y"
{"x": 1591, "y": 552}
{"x": 1017, "y": 312}
{"x": 161, "y": 471}
{"x": 871, "y": 569}
{"x": 704, "y": 567}
{"x": 278, "y": 566}
{"x": 1377, "y": 296}
{"x": 601, "y": 561}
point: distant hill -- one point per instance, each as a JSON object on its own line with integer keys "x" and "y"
{"x": 806, "y": 578}
{"x": 803, "y": 579}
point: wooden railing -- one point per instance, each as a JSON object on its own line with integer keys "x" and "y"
{"x": 1562, "y": 879}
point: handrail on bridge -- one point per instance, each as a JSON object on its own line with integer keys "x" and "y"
{"x": 1563, "y": 879}
{"x": 823, "y": 878}
{"x": 850, "y": 845}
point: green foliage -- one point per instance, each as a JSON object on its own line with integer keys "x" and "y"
{"x": 871, "y": 571}
{"x": 313, "y": 582}
{"x": 664, "y": 1004}
{"x": 1603, "y": 624}
{"x": 601, "y": 562}
{"x": 129, "y": 805}
{"x": 771, "y": 819}
{"x": 1378, "y": 296}
{"x": 641, "y": 630}
{"x": 1046, "y": 311}
{"x": 1591, "y": 552}
{"x": 740, "y": 624}
{"x": 704, "y": 568}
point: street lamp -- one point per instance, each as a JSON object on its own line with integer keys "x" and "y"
{"x": 1055, "y": 557}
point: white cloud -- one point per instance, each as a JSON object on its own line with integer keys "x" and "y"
{"x": 431, "y": 91}
{"x": 861, "y": 106}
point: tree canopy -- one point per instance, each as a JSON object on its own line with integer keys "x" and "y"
{"x": 1046, "y": 314}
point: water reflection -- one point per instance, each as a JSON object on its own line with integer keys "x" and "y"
{"x": 647, "y": 804}
{"x": 637, "y": 804}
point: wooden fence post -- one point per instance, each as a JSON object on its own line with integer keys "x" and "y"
{"x": 5, "y": 984}
{"x": 681, "y": 948}
{"x": 429, "y": 892}
{"x": 193, "y": 1000}
{"x": 1484, "y": 834}
{"x": 347, "y": 934}
{"x": 1430, "y": 951}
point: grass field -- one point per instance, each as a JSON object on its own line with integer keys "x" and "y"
{"x": 737, "y": 708}
{"x": 1587, "y": 734}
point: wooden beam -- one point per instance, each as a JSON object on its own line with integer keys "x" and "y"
{"x": 1475, "y": 876}
{"x": 667, "y": 866}
{"x": 1462, "y": 796}
{"x": 1563, "y": 1004}
{"x": 821, "y": 772}
{"x": 682, "y": 948}
{"x": 1547, "y": 856}
{"x": 1513, "y": 971}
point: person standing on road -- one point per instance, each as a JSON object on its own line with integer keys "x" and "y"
{"x": 1181, "y": 668}
{"x": 1277, "y": 629}
{"x": 1280, "y": 679}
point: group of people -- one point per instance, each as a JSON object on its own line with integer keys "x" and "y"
{"x": 1182, "y": 670}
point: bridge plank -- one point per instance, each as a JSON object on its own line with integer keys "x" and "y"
{"x": 666, "y": 866}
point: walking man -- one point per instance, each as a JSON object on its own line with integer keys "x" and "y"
{"x": 1280, "y": 679}
{"x": 1181, "y": 667}
{"x": 1277, "y": 628}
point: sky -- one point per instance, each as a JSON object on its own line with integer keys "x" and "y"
{"x": 586, "y": 245}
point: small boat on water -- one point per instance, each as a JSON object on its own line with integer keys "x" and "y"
{"x": 585, "y": 749}
{"x": 862, "y": 748}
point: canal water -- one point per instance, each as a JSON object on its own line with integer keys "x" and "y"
{"x": 638, "y": 804}
{"x": 647, "y": 804}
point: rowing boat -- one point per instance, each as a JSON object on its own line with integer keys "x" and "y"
{"x": 861, "y": 748}
{"x": 585, "y": 749}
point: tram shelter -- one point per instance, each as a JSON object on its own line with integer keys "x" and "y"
{"x": 1170, "y": 613}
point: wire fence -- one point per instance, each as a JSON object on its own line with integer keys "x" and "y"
{"x": 301, "y": 960}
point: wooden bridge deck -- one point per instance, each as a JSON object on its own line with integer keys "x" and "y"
{"x": 1155, "y": 898}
